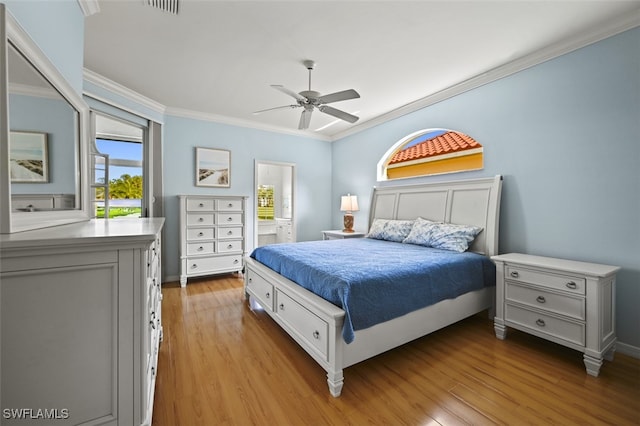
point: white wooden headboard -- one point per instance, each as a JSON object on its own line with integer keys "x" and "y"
{"x": 468, "y": 202}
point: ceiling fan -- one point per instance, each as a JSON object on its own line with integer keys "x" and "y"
{"x": 310, "y": 99}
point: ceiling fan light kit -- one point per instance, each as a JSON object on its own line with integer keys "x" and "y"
{"x": 310, "y": 99}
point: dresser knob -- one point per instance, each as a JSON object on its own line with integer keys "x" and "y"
{"x": 515, "y": 274}
{"x": 229, "y": 219}
{"x": 281, "y": 306}
{"x": 152, "y": 324}
{"x": 200, "y": 248}
{"x": 268, "y": 295}
{"x": 316, "y": 334}
{"x": 229, "y": 232}
{"x": 572, "y": 285}
{"x": 236, "y": 261}
{"x": 200, "y": 234}
{"x": 194, "y": 266}
{"x": 540, "y": 299}
{"x": 230, "y": 205}
{"x": 230, "y": 246}
{"x": 200, "y": 219}
{"x": 250, "y": 280}
{"x": 200, "y": 205}
{"x": 540, "y": 322}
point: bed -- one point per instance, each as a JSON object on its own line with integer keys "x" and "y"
{"x": 336, "y": 330}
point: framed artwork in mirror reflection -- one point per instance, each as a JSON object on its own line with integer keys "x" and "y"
{"x": 28, "y": 157}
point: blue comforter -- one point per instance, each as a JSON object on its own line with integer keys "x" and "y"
{"x": 373, "y": 280}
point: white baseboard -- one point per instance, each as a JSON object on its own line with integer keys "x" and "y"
{"x": 171, "y": 279}
{"x": 632, "y": 351}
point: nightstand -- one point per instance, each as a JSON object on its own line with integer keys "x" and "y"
{"x": 567, "y": 302}
{"x": 339, "y": 235}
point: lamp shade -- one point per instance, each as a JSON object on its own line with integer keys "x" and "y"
{"x": 349, "y": 203}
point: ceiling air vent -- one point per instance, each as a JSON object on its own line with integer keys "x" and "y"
{"x": 170, "y": 6}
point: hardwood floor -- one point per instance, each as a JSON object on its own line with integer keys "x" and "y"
{"x": 222, "y": 364}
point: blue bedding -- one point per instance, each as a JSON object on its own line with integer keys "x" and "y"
{"x": 374, "y": 280}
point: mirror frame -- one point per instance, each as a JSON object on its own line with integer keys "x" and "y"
{"x": 13, "y": 221}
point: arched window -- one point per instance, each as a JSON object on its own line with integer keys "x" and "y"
{"x": 430, "y": 152}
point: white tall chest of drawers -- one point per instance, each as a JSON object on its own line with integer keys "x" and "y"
{"x": 212, "y": 235}
{"x": 568, "y": 302}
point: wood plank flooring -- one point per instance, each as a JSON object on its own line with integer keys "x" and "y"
{"x": 222, "y": 364}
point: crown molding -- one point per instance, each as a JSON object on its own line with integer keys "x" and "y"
{"x": 118, "y": 89}
{"x": 606, "y": 30}
{"x": 223, "y": 119}
{"x": 89, "y": 7}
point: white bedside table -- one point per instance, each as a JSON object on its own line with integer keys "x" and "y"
{"x": 564, "y": 301}
{"x": 339, "y": 235}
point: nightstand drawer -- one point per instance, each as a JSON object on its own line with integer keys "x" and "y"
{"x": 573, "y": 332}
{"x": 572, "y": 306}
{"x": 568, "y": 283}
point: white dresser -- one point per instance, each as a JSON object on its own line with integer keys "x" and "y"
{"x": 81, "y": 322}
{"x": 567, "y": 302}
{"x": 212, "y": 235}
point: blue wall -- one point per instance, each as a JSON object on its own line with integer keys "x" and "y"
{"x": 566, "y": 137}
{"x": 311, "y": 157}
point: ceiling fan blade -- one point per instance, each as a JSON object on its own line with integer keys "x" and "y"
{"x": 271, "y": 109}
{"x": 338, "y": 114}
{"x": 305, "y": 119}
{"x": 338, "y": 96}
{"x": 289, "y": 92}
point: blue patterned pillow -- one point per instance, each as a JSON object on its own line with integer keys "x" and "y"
{"x": 390, "y": 229}
{"x": 447, "y": 236}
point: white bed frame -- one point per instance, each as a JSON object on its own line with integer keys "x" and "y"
{"x": 317, "y": 324}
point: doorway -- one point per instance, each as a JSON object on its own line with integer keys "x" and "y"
{"x": 274, "y": 203}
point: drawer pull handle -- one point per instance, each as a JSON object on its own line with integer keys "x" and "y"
{"x": 268, "y": 295}
{"x": 153, "y": 315}
{"x": 281, "y": 306}
{"x": 230, "y": 246}
{"x": 230, "y": 205}
{"x": 540, "y": 322}
{"x": 515, "y": 274}
{"x": 572, "y": 285}
{"x": 316, "y": 334}
{"x": 236, "y": 261}
{"x": 229, "y": 232}
{"x": 541, "y": 299}
{"x": 200, "y": 234}
{"x": 201, "y": 205}
{"x": 250, "y": 280}
{"x": 200, "y": 248}
{"x": 229, "y": 219}
{"x": 152, "y": 324}
{"x": 194, "y": 266}
{"x": 201, "y": 219}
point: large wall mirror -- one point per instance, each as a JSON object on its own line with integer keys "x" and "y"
{"x": 43, "y": 138}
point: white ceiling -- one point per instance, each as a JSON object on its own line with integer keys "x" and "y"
{"x": 217, "y": 59}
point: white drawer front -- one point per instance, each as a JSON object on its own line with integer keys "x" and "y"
{"x": 200, "y": 219}
{"x": 199, "y": 204}
{"x": 261, "y": 290}
{"x": 568, "y": 283}
{"x": 570, "y": 331}
{"x": 305, "y": 323}
{"x": 230, "y": 232}
{"x": 229, "y": 219}
{"x": 200, "y": 248}
{"x": 195, "y": 234}
{"x": 229, "y": 205}
{"x": 200, "y": 265}
{"x": 230, "y": 246}
{"x": 572, "y": 306}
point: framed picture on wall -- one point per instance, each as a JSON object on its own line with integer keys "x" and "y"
{"x": 213, "y": 167}
{"x": 28, "y": 158}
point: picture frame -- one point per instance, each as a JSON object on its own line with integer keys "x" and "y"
{"x": 213, "y": 167}
{"x": 28, "y": 157}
